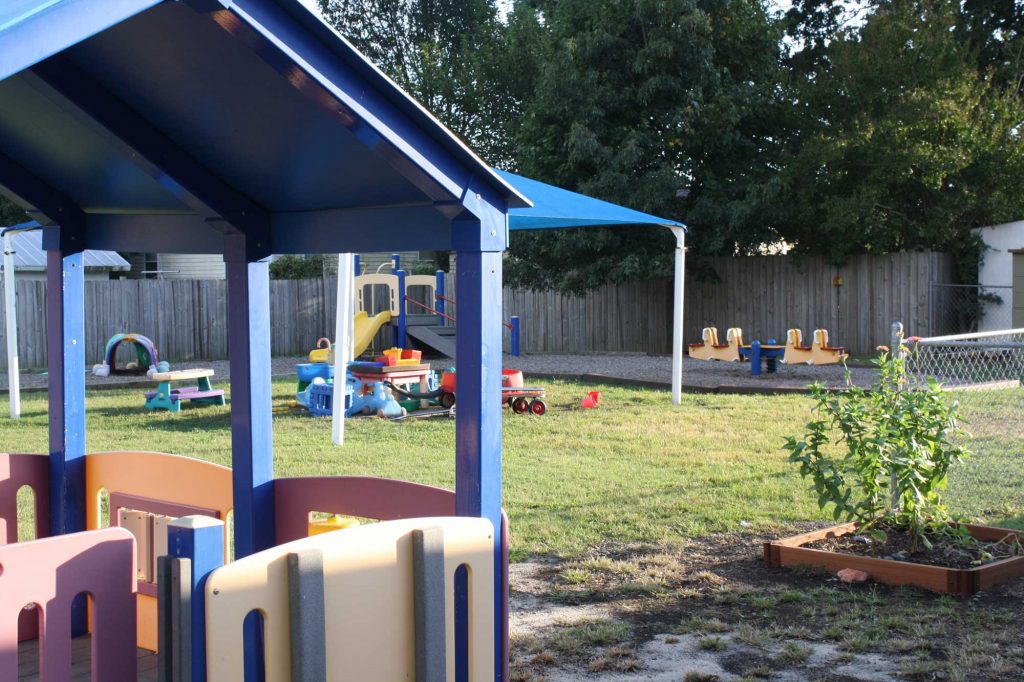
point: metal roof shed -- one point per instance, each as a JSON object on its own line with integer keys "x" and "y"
{"x": 241, "y": 127}
{"x": 23, "y": 252}
{"x": 28, "y": 254}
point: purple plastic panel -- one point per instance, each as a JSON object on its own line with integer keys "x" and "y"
{"x": 383, "y": 499}
{"x": 50, "y": 573}
{"x": 16, "y": 471}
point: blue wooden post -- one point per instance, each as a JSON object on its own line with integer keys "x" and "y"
{"x": 478, "y": 420}
{"x": 252, "y": 451}
{"x": 356, "y": 265}
{"x": 755, "y": 358}
{"x": 66, "y": 386}
{"x": 439, "y": 297}
{"x": 401, "y": 339}
{"x": 515, "y": 335}
{"x": 65, "y": 346}
{"x": 200, "y": 539}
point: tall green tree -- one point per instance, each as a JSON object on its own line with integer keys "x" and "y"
{"x": 994, "y": 30}
{"x": 665, "y": 106}
{"x": 448, "y": 54}
{"x": 902, "y": 143}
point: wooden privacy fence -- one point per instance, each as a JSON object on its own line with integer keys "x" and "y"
{"x": 857, "y": 303}
{"x": 764, "y": 295}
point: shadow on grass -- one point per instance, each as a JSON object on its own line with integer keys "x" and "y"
{"x": 189, "y": 419}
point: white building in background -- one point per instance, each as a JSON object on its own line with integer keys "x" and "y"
{"x": 30, "y": 259}
{"x": 176, "y": 266}
{"x": 996, "y": 272}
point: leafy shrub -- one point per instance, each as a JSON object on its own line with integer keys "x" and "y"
{"x": 881, "y": 457}
{"x": 297, "y": 267}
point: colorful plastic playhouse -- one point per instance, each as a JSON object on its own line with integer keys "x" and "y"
{"x": 269, "y": 134}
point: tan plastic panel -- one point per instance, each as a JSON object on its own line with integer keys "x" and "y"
{"x": 390, "y": 281}
{"x": 368, "y": 587}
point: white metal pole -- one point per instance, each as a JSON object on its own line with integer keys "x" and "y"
{"x": 11, "y": 320}
{"x": 342, "y": 346}
{"x": 677, "y": 316}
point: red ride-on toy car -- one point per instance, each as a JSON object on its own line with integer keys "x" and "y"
{"x": 521, "y": 399}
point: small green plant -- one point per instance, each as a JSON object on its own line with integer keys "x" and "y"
{"x": 880, "y": 457}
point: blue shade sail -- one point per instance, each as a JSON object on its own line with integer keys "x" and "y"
{"x": 555, "y": 208}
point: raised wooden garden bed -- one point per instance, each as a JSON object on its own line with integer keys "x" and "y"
{"x": 957, "y": 581}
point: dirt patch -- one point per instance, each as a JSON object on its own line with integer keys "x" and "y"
{"x": 709, "y": 609}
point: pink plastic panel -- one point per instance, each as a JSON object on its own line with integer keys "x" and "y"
{"x": 50, "y": 573}
{"x": 383, "y": 499}
{"x": 16, "y": 471}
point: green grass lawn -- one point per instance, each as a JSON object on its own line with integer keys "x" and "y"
{"x": 635, "y": 470}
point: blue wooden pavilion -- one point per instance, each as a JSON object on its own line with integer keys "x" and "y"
{"x": 244, "y": 128}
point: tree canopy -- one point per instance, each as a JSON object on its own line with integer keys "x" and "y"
{"x": 834, "y": 128}
{"x": 907, "y": 137}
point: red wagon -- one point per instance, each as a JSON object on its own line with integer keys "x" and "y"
{"x": 521, "y": 399}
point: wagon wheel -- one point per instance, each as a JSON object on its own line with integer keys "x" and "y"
{"x": 447, "y": 400}
{"x": 538, "y": 406}
{"x": 520, "y": 405}
{"x": 509, "y": 401}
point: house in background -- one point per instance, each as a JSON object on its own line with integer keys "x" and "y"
{"x": 996, "y": 274}
{"x": 210, "y": 266}
{"x": 30, "y": 259}
{"x": 176, "y": 266}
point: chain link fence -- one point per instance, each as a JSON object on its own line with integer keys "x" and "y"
{"x": 982, "y": 372}
{"x": 966, "y": 308}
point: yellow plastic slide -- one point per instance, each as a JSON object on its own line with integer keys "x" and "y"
{"x": 365, "y": 328}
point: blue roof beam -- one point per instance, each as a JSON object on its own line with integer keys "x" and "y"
{"x": 58, "y": 209}
{"x": 416, "y": 227}
{"x": 156, "y": 154}
{"x": 305, "y": 52}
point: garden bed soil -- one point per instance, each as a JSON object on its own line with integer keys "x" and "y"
{"x": 947, "y": 569}
{"x": 898, "y": 543}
